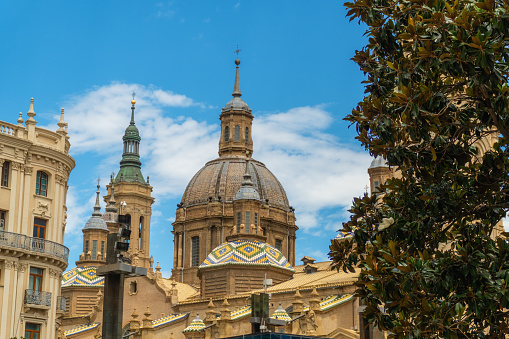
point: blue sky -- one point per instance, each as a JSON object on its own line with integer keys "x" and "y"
{"x": 295, "y": 74}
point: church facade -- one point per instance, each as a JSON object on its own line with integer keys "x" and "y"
{"x": 234, "y": 232}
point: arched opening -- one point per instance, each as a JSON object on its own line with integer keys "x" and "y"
{"x": 226, "y": 134}
{"x": 237, "y": 133}
{"x": 247, "y": 135}
{"x": 41, "y": 184}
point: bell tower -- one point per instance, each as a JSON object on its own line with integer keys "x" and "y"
{"x": 236, "y": 122}
{"x": 133, "y": 195}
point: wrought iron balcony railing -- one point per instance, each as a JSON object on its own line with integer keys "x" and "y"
{"x": 38, "y": 298}
{"x": 61, "y": 303}
{"x": 21, "y": 241}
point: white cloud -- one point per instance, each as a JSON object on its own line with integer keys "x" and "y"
{"x": 316, "y": 170}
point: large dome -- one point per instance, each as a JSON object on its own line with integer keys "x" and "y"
{"x": 223, "y": 177}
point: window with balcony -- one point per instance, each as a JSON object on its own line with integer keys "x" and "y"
{"x": 41, "y": 184}
{"x": 195, "y": 251}
{"x": 35, "y": 279}
{"x": 39, "y": 228}
{"x": 6, "y": 168}
{"x": 32, "y": 331}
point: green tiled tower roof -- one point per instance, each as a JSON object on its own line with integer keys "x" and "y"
{"x": 130, "y": 165}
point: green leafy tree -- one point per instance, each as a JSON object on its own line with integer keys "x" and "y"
{"x": 436, "y": 107}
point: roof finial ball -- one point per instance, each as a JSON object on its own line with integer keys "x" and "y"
{"x": 133, "y": 101}
{"x": 237, "y": 61}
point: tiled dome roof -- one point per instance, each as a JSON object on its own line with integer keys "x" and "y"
{"x": 82, "y": 276}
{"x": 195, "y": 326}
{"x": 280, "y": 314}
{"x": 223, "y": 177}
{"x": 246, "y": 252}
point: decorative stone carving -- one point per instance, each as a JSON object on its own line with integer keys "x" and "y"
{"x": 29, "y": 170}
{"x": 42, "y": 208}
{"x": 60, "y": 179}
{"x": 8, "y": 264}
{"x": 55, "y": 273}
{"x": 21, "y": 267}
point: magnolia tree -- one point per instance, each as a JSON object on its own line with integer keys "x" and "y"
{"x": 436, "y": 88}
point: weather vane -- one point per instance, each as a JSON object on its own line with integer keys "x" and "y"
{"x": 98, "y": 181}
{"x": 134, "y": 93}
{"x": 237, "y": 51}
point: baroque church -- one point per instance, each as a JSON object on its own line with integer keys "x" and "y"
{"x": 234, "y": 236}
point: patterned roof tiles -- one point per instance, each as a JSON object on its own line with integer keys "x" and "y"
{"x": 280, "y": 314}
{"x": 169, "y": 319}
{"x": 335, "y": 300}
{"x": 241, "y": 313}
{"x": 80, "y": 329}
{"x": 82, "y": 276}
{"x": 250, "y": 252}
{"x": 223, "y": 177}
{"x": 196, "y": 325}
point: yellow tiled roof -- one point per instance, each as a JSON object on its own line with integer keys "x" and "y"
{"x": 184, "y": 290}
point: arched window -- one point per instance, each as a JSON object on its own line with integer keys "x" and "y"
{"x": 237, "y": 133}
{"x": 247, "y": 222}
{"x": 239, "y": 216}
{"x": 195, "y": 251}
{"x": 41, "y": 184}
{"x": 247, "y": 135}
{"x": 226, "y": 134}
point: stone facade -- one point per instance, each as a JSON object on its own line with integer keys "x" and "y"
{"x": 35, "y": 169}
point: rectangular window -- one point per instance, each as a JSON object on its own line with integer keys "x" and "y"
{"x": 239, "y": 220}
{"x": 256, "y": 222}
{"x": 3, "y": 220}
{"x": 35, "y": 279}
{"x": 32, "y": 331}
{"x": 94, "y": 249}
{"x": 279, "y": 245}
{"x": 195, "y": 251}
{"x": 5, "y": 173}
{"x": 102, "y": 250}
{"x": 86, "y": 248}
{"x": 41, "y": 184}
{"x": 39, "y": 228}
{"x": 248, "y": 222}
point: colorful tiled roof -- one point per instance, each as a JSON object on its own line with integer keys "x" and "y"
{"x": 246, "y": 252}
{"x": 195, "y": 326}
{"x": 241, "y": 313}
{"x": 335, "y": 300}
{"x": 280, "y": 314}
{"x": 82, "y": 276}
{"x": 80, "y": 329}
{"x": 169, "y": 319}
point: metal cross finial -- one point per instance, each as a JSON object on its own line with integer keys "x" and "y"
{"x": 237, "y": 51}
{"x": 98, "y": 180}
{"x": 134, "y": 93}
{"x": 367, "y": 188}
